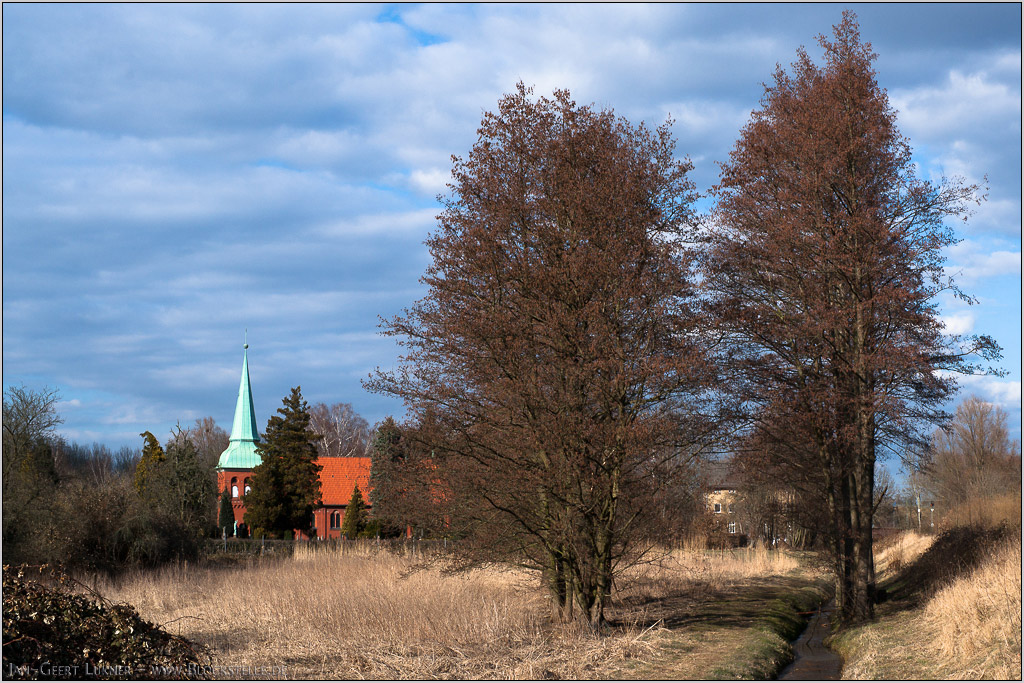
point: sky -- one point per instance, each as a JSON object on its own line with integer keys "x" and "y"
{"x": 176, "y": 177}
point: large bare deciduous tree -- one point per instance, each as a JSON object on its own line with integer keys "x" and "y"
{"x": 973, "y": 457}
{"x": 824, "y": 268}
{"x": 341, "y": 431}
{"x": 554, "y": 372}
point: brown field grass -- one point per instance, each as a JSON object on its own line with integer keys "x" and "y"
{"x": 978, "y": 618}
{"x": 956, "y": 612}
{"x": 985, "y": 511}
{"x": 898, "y": 552}
{"x": 377, "y": 615}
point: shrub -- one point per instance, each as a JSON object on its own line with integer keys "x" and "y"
{"x": 51, "y": 632}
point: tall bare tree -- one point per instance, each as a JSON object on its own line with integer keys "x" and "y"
{"x": 554, "y": 368}
{"x": 973, "y": 457}
{"x": 341, "y": 431}
{"x": 29, "y": 472}
{"x": 209, "y": 439}
{"x": 824, "y": 269}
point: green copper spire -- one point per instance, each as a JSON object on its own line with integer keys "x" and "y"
{"x": 241, "y": 451}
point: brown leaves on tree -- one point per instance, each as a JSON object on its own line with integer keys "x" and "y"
{"x": 824, "y": 267}
{"x": 552, "y": 369}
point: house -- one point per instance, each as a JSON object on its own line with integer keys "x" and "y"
{"x": 338, "y": 478}
{"x": 722, "y": 485}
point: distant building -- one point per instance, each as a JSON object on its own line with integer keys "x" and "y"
{"x": 338, "y": 478}
{"x": 721, "y": 496}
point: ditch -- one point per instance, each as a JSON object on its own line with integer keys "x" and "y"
{"x": 813, "y": 661}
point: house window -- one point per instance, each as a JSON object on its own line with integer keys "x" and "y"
{"x": 718, "y": 508}
{"x": 732, "y": 527}
{"x": 335, "y": 519}
{"x": 731, "y": 508}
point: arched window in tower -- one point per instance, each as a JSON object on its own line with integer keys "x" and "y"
{"x": 246, "y": 486}
{"x": 234, "y": 487}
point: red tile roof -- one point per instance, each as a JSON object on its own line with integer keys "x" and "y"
{"x": 339, "y": 478}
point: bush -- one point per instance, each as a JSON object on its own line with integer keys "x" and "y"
{"x": 108, "y": 528}
{"x": 51, "y": 632}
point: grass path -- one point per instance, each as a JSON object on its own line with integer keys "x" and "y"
{"x": 743, "y": 632}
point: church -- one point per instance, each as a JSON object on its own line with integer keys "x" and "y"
{"x": 338, "y": 478}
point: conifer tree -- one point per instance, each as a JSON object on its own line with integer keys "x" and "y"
{"x": 227, "y": 515}
{"x": 286, "y": 485}
{"x": 152, "y": 456}
{"x": 355, "y": 516}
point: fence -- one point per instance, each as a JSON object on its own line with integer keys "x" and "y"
{"x": 414, "y": 547}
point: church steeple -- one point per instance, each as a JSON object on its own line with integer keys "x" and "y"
{"x": 241, "y": 451}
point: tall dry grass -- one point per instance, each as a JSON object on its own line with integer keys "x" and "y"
{"x": 366, "y": 614}
{"x": 969, "y": 623}
{"x": 985, "y": 511}
{"x": 978, "y": 618}
{"x": 900, "y": 551}
{"x": 328, "y": 615}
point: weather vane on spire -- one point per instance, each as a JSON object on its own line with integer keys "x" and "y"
{"x": 245, "y": 339}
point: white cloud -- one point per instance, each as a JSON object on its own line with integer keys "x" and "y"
{"x": 1005, "y": 392}
{"x": 964, "y": 101}
{"x": 417, "y": 222}
{"x": 174, "y": 174}
{"x": 959, "y": 323}
{"x": 430, "y": 181}
{"x": 969, "y": 262}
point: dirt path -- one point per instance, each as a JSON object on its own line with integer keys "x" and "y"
{"x": 814, "y": 661}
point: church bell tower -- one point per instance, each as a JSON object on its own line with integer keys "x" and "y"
{"x": 236, "y": 463}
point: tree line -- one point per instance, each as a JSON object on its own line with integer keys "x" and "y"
{"x": 91, "y": 509}
{"x": 587, "y": 336}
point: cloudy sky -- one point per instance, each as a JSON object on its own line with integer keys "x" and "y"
{"x": 176, "y": 174}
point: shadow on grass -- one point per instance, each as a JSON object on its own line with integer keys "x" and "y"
{"x": 953, "y": 554}
{"x": 772, "y": 602}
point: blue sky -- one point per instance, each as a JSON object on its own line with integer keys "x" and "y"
{"x": 175, "y": 174}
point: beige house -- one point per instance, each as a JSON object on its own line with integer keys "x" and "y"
{"x": 722, "y": 500}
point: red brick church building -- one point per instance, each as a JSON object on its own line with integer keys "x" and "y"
{"x": 338, "y": 478}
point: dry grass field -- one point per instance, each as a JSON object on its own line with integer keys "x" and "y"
{"x": 378, "y": 615}
{"x": 956, "y": 613}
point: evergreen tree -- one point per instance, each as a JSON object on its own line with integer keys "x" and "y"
{"x": 227, "y": 515}
{"x": 286, "y": 485}
{"x": 355, "y": 515}
{"x": 152, "y": 456}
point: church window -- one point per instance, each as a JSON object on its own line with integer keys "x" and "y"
{"x": 335, "y": 519}
{"x": 234, "y": 490}
{"x": 247, "y": 487}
